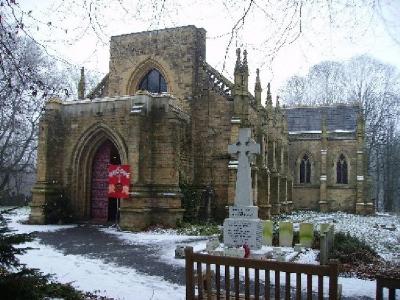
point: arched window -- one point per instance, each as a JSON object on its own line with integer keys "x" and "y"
{"x": 341, "y": 170}
{"x": 153, "y": 82}
{"x": 305, "y": 169}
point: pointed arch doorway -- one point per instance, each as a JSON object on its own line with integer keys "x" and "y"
{"x": 102, "y": 208}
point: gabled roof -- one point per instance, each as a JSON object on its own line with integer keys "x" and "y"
{"x": 339, "y": 118}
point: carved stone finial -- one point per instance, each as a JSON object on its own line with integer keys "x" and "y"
{"x": 81, "y": 85}
{"x": 324, "y": 129}
{"x": 257, "y": 88}
{"x": 268, "y": 103}
{"x": 323, "y": 124}
{"x": 258, "y": 83}
{"x": 360, "y": 116}
{"x": 244, "y": 64}
{"x": 360, "y": 123}
{"x": 238, "y": 61}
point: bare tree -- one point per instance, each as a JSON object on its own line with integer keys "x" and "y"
{"x": 323, "y": 84}
{"x": 283, "y": 22}
{"x": 20, "y": 106}
{"x": 27, "y": 78}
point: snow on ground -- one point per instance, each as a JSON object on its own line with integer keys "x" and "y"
{"x": 20, "y": 215}
{"x": 309, "y": 256}
{"x": 124, "y": 283}
{"x": 351, "y": 287}
{"x": 90, "y": 274}
{"x": 165, "y": 240}
{"x": 93, "y": 275}
{"x": 380, "y": 231}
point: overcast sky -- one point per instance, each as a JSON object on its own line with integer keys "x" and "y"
{"x": 79, "y": 31}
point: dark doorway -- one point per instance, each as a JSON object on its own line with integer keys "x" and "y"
{"x": 113, "y": 204}
{"x": 102, "y": 208}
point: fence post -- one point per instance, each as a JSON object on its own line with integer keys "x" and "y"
{"x": 379, "y": 288}
{"x": 189, "y": 273}
{"x": 332, "y": 237}
{"x": 323, "y": 259}
{"x": 333, "y": 279}
{"x": 328, "y": 240}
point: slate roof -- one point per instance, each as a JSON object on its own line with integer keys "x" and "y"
{"x": 309, "y": 119}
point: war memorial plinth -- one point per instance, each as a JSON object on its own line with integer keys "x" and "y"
{"x": 243, "y": 227}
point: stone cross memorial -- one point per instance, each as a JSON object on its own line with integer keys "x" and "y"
{"x": 243, "y": 226}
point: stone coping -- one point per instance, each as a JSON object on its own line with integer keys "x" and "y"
{"x": 55, "y": 100}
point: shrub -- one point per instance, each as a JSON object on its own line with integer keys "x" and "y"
{"x": 205, "y": 229}
{"x": 349, "y": 249}
{"x": 190, "y": 202}
{"x": 57, "y": 210}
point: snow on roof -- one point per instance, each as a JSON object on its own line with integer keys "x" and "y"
{"x": 339, "y": 118}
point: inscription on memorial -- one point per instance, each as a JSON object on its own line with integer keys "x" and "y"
{"x": 238, "y": 232}
{"x": 234, "y": 252}
{"x": 244, "y": 212}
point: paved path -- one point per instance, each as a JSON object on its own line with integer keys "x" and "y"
{"x": 89, "y": 241}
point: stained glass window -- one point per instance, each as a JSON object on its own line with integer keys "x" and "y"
{"x": 305, "y": 169}
{"x": 341, "y": 170}
{"x": 153, "y": 82}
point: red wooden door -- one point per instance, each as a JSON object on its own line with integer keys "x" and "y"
{"x": 99, "y": 196}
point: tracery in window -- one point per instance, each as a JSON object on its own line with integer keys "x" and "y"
{"x": 153, "y": 82}
{"x": 341, "y": 170}
{"x": 305, "y": 169}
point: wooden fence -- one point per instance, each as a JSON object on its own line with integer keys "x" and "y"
{"x": 203, "y": 283}
{"x": 390, "y": 283}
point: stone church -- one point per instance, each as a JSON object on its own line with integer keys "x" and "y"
{"x": 169, "y": 115}
{"x": 327, "y": 157}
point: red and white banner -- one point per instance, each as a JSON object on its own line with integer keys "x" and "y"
{"x": 118, "y": 181}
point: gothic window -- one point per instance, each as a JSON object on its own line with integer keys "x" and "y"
{"x": 305, "y": 169}
{"x": 341, "y": 170}
{"x": 153, "y": 82}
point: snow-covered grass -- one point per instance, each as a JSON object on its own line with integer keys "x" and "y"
{"x": 380, "y": 231}
{"x": 126, "y": 283}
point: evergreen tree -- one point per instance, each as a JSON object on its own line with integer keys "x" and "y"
{"x": 19, "y": 282}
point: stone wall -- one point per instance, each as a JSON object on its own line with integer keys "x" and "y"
{"x": 308, "y": 195}
{"x": 175, "y": 52}
{"x": 151, "y": 139}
